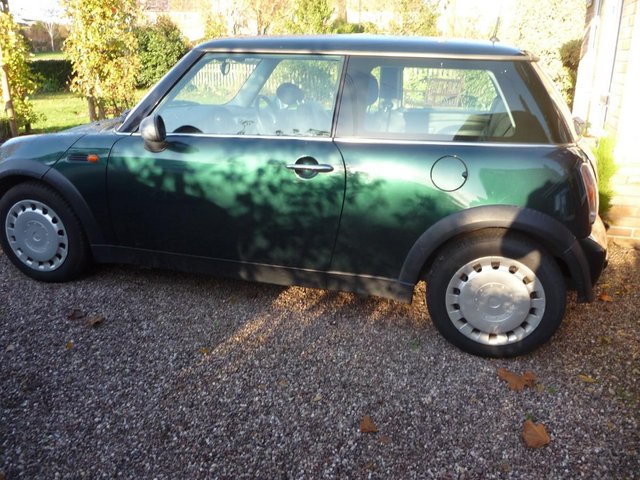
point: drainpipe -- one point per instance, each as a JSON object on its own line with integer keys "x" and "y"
{"x": 592, "y": 47}
{"x": 613, "y": 67}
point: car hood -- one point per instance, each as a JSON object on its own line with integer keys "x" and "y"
{"x": 49, "y": 148}
{"x": 101, "y": 126}
{"x": 46, "y": 148}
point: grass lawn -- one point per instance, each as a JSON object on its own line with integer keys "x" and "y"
{"x": 61, "y": 110}
{"x": 48, "y": 56}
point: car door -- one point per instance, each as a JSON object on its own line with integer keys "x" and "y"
{"x": 244, "y": 175}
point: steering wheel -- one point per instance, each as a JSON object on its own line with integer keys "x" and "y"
{"x": 267, "y": 115}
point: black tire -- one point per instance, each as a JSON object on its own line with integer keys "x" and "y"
{"x": 480, "y": 284}
{"x": 52, "y": 216}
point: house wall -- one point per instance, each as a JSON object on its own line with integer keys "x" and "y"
{"x": 607, "y": 97}
{"x": 622, "y": 118}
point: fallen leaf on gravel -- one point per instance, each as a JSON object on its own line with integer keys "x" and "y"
{"x": 204, "y": 350}
{"x": 10, "y": 348}
{"x": 95, "y": 320}
{"x": 529, "y": 378}
{"x": 69, "y": 345}
{"x": 385, "y": 440}
{"x": 605, "y": 297}
{"x": 76, "y": 314}
{"x": 515, "y": 381}
{"x": 371, "y": 466}
{"x": 317, "y": 398}
{"x": 587, "y": 379}
{"x": 367, "y": 425}
{"x": 283, "y": 382}
{"x": 535, "y": 435}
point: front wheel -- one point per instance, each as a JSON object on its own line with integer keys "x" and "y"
{"x": 40, "y": 233}
{"x": 496, "y": 294}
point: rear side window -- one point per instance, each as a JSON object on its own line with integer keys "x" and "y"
{"x": 447, "y": 100}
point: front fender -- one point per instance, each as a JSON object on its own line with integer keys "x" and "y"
{"x": 549, "y": 232}
{"x": 45, "y": 149}
{"x": 62, "y": 184}
{"x": 17, "y": 170}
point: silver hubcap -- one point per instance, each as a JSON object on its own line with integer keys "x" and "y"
{"x": 36, "y": 235}
{"x": 495, "y": 300}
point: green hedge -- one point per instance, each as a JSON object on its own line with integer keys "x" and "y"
{"x": 53, "y": 75}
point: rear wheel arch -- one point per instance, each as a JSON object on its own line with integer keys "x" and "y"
{"x": 496, "y": 293}
{"x": 539, "y": 227}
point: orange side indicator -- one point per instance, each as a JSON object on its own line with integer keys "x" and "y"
{"x": 93, "y": 158}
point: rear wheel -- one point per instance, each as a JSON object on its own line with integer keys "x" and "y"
{"x": 41, "y": 235}
{"x": 496, "y": 294}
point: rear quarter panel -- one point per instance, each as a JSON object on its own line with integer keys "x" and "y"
{"x": 391, "y": 198}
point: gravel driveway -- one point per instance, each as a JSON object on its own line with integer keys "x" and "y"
{"x": 196, "y": 377}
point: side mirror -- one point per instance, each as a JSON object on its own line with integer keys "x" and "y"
{"x": 580, "y": 126}
{"x": 153, "y": 133}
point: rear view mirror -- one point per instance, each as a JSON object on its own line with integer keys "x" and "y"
{"x": 153, "y": 133}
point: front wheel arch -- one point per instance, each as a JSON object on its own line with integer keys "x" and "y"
{"x": 54, "y": 220}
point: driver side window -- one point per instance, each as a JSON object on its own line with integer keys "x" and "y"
{"x": 275, "y": 95}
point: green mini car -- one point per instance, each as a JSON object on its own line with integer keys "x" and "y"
{"x": 355, "y": 163}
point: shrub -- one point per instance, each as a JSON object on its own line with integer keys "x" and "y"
{"x": 160, "y": 46}
{"x": 606, "y": 170}
{"x": 570, "y": 57}
{"x": 214, "y": 26}
{"x": 54, "y": 75}
{"x": 104, "y": 53}
{"x": 22, "y": 81}
{"x": 342, "y": 26}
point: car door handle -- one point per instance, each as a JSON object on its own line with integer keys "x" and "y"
{"x": 318, "y": 168}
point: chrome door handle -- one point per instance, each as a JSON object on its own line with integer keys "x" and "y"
{"x": 319, "y": 168}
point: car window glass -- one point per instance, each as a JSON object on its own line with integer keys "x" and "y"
{"x": 254, "y": 95}
{"x": 299, "y": 96}
{"x": 440, "y": 100}
{"x": 217, "y": 81}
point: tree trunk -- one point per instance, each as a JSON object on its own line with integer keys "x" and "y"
{"x": 101, "y": 113}
{"x": 6, "y": 96}
{"x": 4, "y": 6}
{"x": 341, "y": 13}
{"x": 91, "y": 103}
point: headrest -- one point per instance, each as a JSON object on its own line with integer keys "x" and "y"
{"x": 289, "y": 94}
{"x": 366, "y": 82}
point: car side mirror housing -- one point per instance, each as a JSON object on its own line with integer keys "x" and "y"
{"x": 153, "y": 133}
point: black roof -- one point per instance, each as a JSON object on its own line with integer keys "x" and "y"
{"x": 365, "y": 44}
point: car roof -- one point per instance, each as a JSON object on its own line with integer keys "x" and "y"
{"x": 364, "y": 44}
